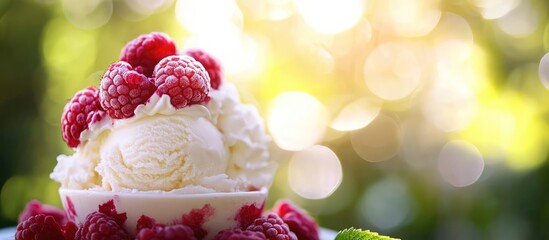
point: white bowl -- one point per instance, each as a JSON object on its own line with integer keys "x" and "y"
{"x": 165, "y": 208}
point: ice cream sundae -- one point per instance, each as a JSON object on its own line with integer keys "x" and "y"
{"x": 164, "y": 149}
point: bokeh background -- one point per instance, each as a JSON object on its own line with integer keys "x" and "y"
{"x": 419, "y": 119}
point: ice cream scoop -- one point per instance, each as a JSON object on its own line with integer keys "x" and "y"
{"x": 218, "y": 147}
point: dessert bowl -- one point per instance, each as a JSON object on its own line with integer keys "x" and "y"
{"x": 208, "y": 212}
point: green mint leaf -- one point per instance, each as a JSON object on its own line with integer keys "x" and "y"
{"x": 359, "y": 234}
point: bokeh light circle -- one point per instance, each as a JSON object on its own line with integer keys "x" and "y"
{"x": 453, "y": 38}
{"x": 421, "y": 143}
{"x": 240, "y": 53}
{"x": 147, "y": 7}
{"x": 450, "y": 105}
{"x": 544, "y": 70}
{"x": 494, "y": 9}
{"x": 392, "y": 72}
{"x": 460, "y": 163}
{"x": 315, "y": 172}
{"x": 407, "y": 18}
{"x": 87, "y": 14}
{"x": 208, "y": 15}
{"x": 357, "y": 114}
{"x": 387, "y": 204}
{"x": 331, "y": 16}
{"x": 453, "y": 27}
{"x": 521, "y": 21}
{"x": 378, "y": 141}
{"x": 297, "y": 120}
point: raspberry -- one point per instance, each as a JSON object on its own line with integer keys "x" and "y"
{"x": 239, "y": 234}
{"x": 248, "y": 213}
{"x": 34, "y": 207}
{"x": 304, "y": 227}
{"x": 144, "y": 222}
{"x": 39, "y": 226}
{"x": 212, "y": 65}
{"x": 80, "y": 112}
{"x": 273, "y": 227}
{"x": 109, "y": 209}
{"x": 69, "y": 230}
{"x": 147, "y": 50}
{"x": 100, "y": 226}
{"x": 123, "y": 89}
{"x": 183, "y": 79}
{"x": 170, "y": 232}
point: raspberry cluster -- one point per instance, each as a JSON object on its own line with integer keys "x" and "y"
{"x": 148, "y": 64}
{"x": 286, "y": 222}
{"x": 39, "y": 221}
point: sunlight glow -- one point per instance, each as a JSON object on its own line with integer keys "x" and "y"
{"x": 331, "y": 16}
{"x": 297, "y": 120}
{"x": 208, "y": 15}
{"x": 407, "y": 18}
{"x": 392, "y": 72}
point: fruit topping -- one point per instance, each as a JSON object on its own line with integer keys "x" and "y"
{"x": 147, "y": 50}
{"x": 123, "y": 89}
{"x": 182, "y": 78}
{"x": 212, "y": 65}
{"x": 79, "y": 113}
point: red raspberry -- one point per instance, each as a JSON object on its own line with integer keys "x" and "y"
{"x": 183, "y": 79}
{"x": 80, "y": 112}
{"x": 34, "y": 207}
{"x": 170, "y": 232}
{"x": 144, "y": 222}
{"x": 69, "y": 230}
{"x": 212, "y": 65}
{"x": 123, "y": 89}
{"x": 273, "y": 227}
{"x": 239, "y": 234}
{"x": 147, "y": 50}
{"x": 39, "y": 226}
{"x": 109, "y": 209}
{"x": 304, "y": 227}
{"x": 100, "y": 226}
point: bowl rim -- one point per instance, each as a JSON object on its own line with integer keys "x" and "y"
{"x": 162, "y": 194}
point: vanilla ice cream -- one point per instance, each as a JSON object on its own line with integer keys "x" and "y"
{"x": 218, "y": 147}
